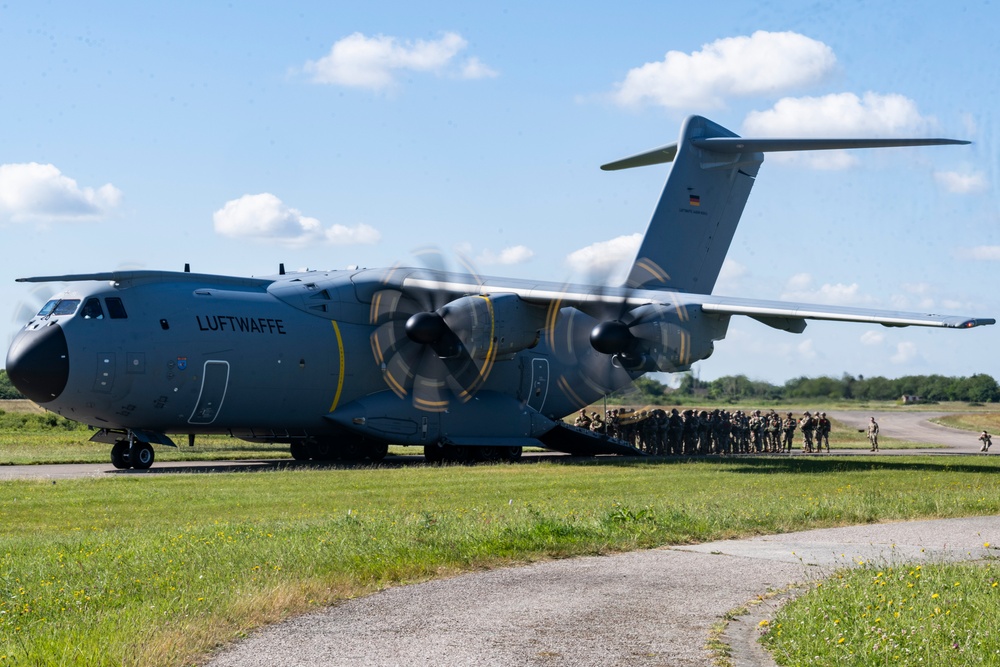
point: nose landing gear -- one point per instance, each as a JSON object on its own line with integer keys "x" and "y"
{"x": 132, "y": 453}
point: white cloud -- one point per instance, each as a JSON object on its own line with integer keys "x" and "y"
{"x": 375, "y": 62}
{"x": 806, "y": 349}
{"x": 265, "y": 217}
{"x": 962, "y": 183}
{"x": 473, "y": 68}
{"x": 872, "y": 338}
{"x": 800, "y": 288}
{"x": 608, "y": 259}
{"x": 905, "y": 352}
{"x": 41, "y": 193}
{"x": 989, "y": 253}
{"x": 837, "y": 115}
{"x": 518, "y": 254}
{"x": 731, "y": 276}
{"x": 763, "y": 63}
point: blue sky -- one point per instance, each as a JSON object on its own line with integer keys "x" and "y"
{"x": 234, "y": 136}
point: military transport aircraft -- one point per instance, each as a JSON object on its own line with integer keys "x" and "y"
{"x": 338, "y": 364}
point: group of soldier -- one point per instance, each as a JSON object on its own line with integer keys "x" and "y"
{"x": 692, "y": 433}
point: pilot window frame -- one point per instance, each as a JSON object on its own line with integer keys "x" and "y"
{"x": 116, "y": 309}
{"x": 59, "y": 307}
{"x": 92, "y": 309}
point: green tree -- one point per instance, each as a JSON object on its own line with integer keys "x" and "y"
{"x": 7, "y": 390}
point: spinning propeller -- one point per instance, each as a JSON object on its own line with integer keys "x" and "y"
{"x": 432, "y": 345}
{"x": 615, "y": 337}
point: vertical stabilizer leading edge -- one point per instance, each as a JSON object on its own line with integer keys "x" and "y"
{"x": 701, "y": 204}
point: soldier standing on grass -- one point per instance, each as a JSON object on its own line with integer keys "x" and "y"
{"x": 774, "y": 431}
{"x": 823, "y": 432}
{"x": 986, "y": 440}
{"x": 807, "y": 426}
{"x": 873, "y": 434}
{"x": 789, "y": 429}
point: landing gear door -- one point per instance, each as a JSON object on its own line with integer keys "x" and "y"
{"x": 214, "y": 381}
{"x": 538, "y": 387}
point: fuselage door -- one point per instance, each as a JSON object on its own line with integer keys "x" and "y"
{"x": 214, "y": 382}
{"x": 538, "y": 388}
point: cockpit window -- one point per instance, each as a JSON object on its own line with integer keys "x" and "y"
{"x": 92, "y": 309}
{"x": 115, "y": 308}
{"x": 59, "y": 307}
{"x": 48, "y": 308}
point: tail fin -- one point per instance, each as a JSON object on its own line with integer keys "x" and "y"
{"x": 708, "y": 186}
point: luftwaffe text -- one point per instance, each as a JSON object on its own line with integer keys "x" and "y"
{"x": 241, "y": 324}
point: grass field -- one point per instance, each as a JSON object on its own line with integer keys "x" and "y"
{"x": 157, "y": 570}
{"x": 942, "y": 614}
{"x": 972, "y": 422}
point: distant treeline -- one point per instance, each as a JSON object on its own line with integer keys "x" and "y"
{"x": 975, "y": 389}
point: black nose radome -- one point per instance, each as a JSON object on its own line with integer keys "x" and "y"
{"x": 38, "y": 363}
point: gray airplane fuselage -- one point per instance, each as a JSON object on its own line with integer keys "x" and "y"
{"x": 283, "y": 358}
{"x": 341, "y": 363}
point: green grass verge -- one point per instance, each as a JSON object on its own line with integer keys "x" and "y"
{"x": 972, "y": 422}
{"x": 938, "y": 614}
{"x": 158, "y": 570}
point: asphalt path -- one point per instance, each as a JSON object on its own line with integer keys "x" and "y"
{"x": 915, "y": 427}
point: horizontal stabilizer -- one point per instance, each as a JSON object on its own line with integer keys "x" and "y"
{"x": 655, "y": 156}
{"x": 743, "y": 145}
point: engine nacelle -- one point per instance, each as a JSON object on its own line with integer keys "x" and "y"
{"x": 663, "y": 338}
{"x": 494, "y": 325}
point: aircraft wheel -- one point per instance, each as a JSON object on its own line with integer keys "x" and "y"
{"x": 433, "y": 453}
{"x": 142, "y": 455}
{"x": 487, "y": 454}
{"x": 119, "y": 455}
{"x": 375, "y": 452}
{"x": 513, "y": 454}
{"x": 300, "y": 451}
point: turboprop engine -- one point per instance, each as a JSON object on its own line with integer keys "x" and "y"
{"x": 657, "y": 337}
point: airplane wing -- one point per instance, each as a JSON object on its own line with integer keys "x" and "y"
{"x": 785, "y": 315}
{"x": 778, "y": 313}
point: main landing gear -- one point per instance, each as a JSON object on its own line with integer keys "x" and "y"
{"x": 132, "y": 453}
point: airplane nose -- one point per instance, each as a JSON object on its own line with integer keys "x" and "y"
{"x": 38, "y": 362}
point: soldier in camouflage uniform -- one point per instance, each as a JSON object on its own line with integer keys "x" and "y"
{"x": 807, "y": 426}
{"x": 823, "y": 432}
{"x": 689, "y": 433}
{"x": 675, "y": 427}
{"x": 873, "y": 434}
{"x": 774, "y": 430}
{"x": 757, "y": 432}
{"x": 704, "y": 433}
{"x": 788, "y": 428}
